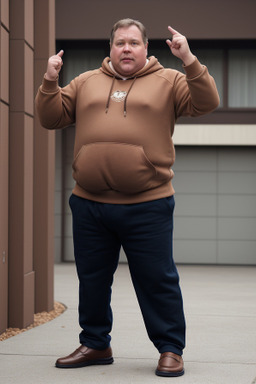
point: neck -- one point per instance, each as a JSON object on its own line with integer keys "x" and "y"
{"x": 122, "y": 77}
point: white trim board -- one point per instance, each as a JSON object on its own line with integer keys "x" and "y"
{"x": 215, "y": 134}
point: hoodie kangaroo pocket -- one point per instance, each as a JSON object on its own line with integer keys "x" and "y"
{"x": 122, "y": 167}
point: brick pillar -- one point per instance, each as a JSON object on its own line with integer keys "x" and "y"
{"x": 4, "y": 161}
{"x": 21, "y": 274}
{"x": 44, "y": 165}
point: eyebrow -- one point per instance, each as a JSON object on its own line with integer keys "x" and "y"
{"x": 132, "y": 39}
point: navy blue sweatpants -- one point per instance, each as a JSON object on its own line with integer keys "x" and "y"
{"x": 145, "y": 232}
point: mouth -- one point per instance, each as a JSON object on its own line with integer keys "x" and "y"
{"x": 127, "y": 59}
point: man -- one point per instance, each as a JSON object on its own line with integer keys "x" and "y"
{"x": 125, "y": 113}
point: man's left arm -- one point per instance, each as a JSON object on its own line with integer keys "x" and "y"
{"x": 196, "y": 93}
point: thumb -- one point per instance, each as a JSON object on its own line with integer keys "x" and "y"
{"x": 60, "y": 53}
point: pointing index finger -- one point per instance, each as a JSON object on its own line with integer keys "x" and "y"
{"x": 173, "y": 31}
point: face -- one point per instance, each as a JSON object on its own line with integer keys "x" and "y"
{"x": 128, "y": 53}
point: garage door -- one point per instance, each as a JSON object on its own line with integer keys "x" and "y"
{"x": 215, "y": 214}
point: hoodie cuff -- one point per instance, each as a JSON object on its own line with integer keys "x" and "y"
{"x": 50, "y": 86}
{"x": 193, "y": 70}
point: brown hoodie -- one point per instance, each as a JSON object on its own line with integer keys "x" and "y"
{"x": 123, "y": 149}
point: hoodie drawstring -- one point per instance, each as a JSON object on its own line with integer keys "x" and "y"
{"x": 125, "y": 109}
{"x": 125, "y": 100}
{"x": 109, "y": 95}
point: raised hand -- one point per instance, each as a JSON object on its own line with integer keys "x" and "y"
{"x": 54, "y": 66}
{"x": 179, "y": 47}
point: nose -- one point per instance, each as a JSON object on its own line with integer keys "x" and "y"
{"x": 127, "y": 47}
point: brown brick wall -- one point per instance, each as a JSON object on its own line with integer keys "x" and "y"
{"x": 26, "y": 164}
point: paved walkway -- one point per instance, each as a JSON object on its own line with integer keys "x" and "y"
{"x": 220, "y": 306}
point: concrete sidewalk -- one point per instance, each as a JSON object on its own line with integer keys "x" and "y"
{"x": 220, "y": 307}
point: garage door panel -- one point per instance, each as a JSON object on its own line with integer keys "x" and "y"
{"x": 195, "y": 205}
{"x": 196, "y": 159}
{"x": 237, "y": 205}
{"x": 237, "y": 160}
{"x": 237, "y": 228}
{"x": 215, "y": 208}
{"x": 68, "y": 249}
{"x": 237, "y": 182}
{"x": 68, "y": 225}
{"x": 186, "y": 228}
{"x": 70, "y": 182}
{"x": 194, "y": 251}
{"x": 195, "y": 182}
{"x": 237, "y": 252}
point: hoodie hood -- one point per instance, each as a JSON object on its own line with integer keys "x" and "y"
{"x": 153, "y": 65}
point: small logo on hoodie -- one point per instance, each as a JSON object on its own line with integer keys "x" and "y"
{"x": 118, "y": 96}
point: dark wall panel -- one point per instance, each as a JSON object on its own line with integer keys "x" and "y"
{"x": 198, "y": 19}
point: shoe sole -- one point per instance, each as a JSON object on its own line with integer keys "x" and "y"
{"x": 106, "y": 361}
{"x": 169, "y": 374}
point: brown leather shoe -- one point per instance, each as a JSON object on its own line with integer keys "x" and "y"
{"x": 170, "y": 365}
{"x": 84, "y": 356}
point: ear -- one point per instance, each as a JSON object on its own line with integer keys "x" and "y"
{"x": 146, "y": 47}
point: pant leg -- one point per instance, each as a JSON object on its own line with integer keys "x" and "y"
{"x": 96, "y": 251}
{"x": 147, "y": 242}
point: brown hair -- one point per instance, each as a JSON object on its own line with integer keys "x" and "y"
{"x": 127, "y": 23}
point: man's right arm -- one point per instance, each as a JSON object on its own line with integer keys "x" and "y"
{"x": 55, "y": 105}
